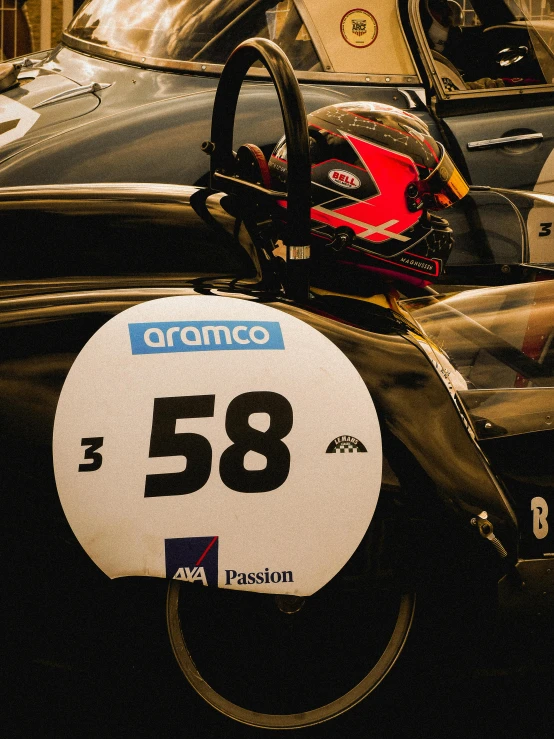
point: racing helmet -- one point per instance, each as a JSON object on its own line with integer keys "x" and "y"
{"x": 376, "y": 173}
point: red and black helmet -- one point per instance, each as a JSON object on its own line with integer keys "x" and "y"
{"x": 376, "y": 172}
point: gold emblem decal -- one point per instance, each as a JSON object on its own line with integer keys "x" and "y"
{"x": 358, "y": 28}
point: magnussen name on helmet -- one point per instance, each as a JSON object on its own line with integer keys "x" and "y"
{"x": 419, "y": 264}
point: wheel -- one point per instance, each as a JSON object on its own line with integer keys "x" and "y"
{"x": 281, "y": 662}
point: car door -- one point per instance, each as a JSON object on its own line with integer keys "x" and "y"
{"x": 491, "y": 72}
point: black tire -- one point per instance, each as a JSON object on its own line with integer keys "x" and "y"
{"x": 271, "y": 669}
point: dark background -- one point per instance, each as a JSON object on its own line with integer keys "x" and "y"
{"x": 99, "y": 664}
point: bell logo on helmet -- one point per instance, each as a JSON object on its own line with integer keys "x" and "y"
{"x": 344, "y": 179}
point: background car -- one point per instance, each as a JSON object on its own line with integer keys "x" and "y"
{"x": 127, "y": 95}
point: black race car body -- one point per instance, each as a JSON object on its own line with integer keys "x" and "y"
{"x": 462, "y": 390}
{"x": 126, "y": 96}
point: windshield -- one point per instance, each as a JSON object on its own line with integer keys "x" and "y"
{"x": 488, "y": 229}
{"x": 500, "y": 237}
{"x": 495, "y": 337}
{"x": 486, "y": 44}
{"x": 537, "y": 19}
{"x": 193, "y": 30}
{"x": 499, "y": 343}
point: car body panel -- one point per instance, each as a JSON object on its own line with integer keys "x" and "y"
{"x": 474, "y": 118}
{"x": 47, "y": 315}
{"x": 76, "y": 139}
{"x": 115, "y": 232}
{"x": 45, "y": 333}
{"x": 112, "y": 146}
{"x": 39, "y": 85}
{"x": 496, "y": 165}
{"x": 387, "y": 56}
{"x": 436, "y": 481}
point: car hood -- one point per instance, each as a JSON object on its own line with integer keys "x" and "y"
{"x": 149, "y": 127}
{"x": 41, "y": 97}
{"x": 66, "y": 89}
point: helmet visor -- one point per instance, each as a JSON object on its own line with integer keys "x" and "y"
{"x": 445, "y": 185}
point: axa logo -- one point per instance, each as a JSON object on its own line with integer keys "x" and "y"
{"x": 195, "y": 336}
{"x": 193, "y": 559}
{"x": 191, "y": 574}
{"x": 344, "y": 179}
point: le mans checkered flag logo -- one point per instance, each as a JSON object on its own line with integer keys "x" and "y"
{"x": 192, "y": 560}
{"x": 345, "y": 445}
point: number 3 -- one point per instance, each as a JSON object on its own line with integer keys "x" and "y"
{"x": 93, "y": 443}
{"x": 164, "y": 442}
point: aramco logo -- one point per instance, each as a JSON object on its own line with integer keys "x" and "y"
{"x": 194, "y": 336}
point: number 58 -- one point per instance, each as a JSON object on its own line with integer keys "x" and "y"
{"x": 165, "y": 442}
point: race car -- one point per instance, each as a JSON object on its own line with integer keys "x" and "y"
{"x": 339, "y": 472}
{"x": 127, "y": 95}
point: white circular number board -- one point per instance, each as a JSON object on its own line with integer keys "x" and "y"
{"x": 219, "y": 441}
